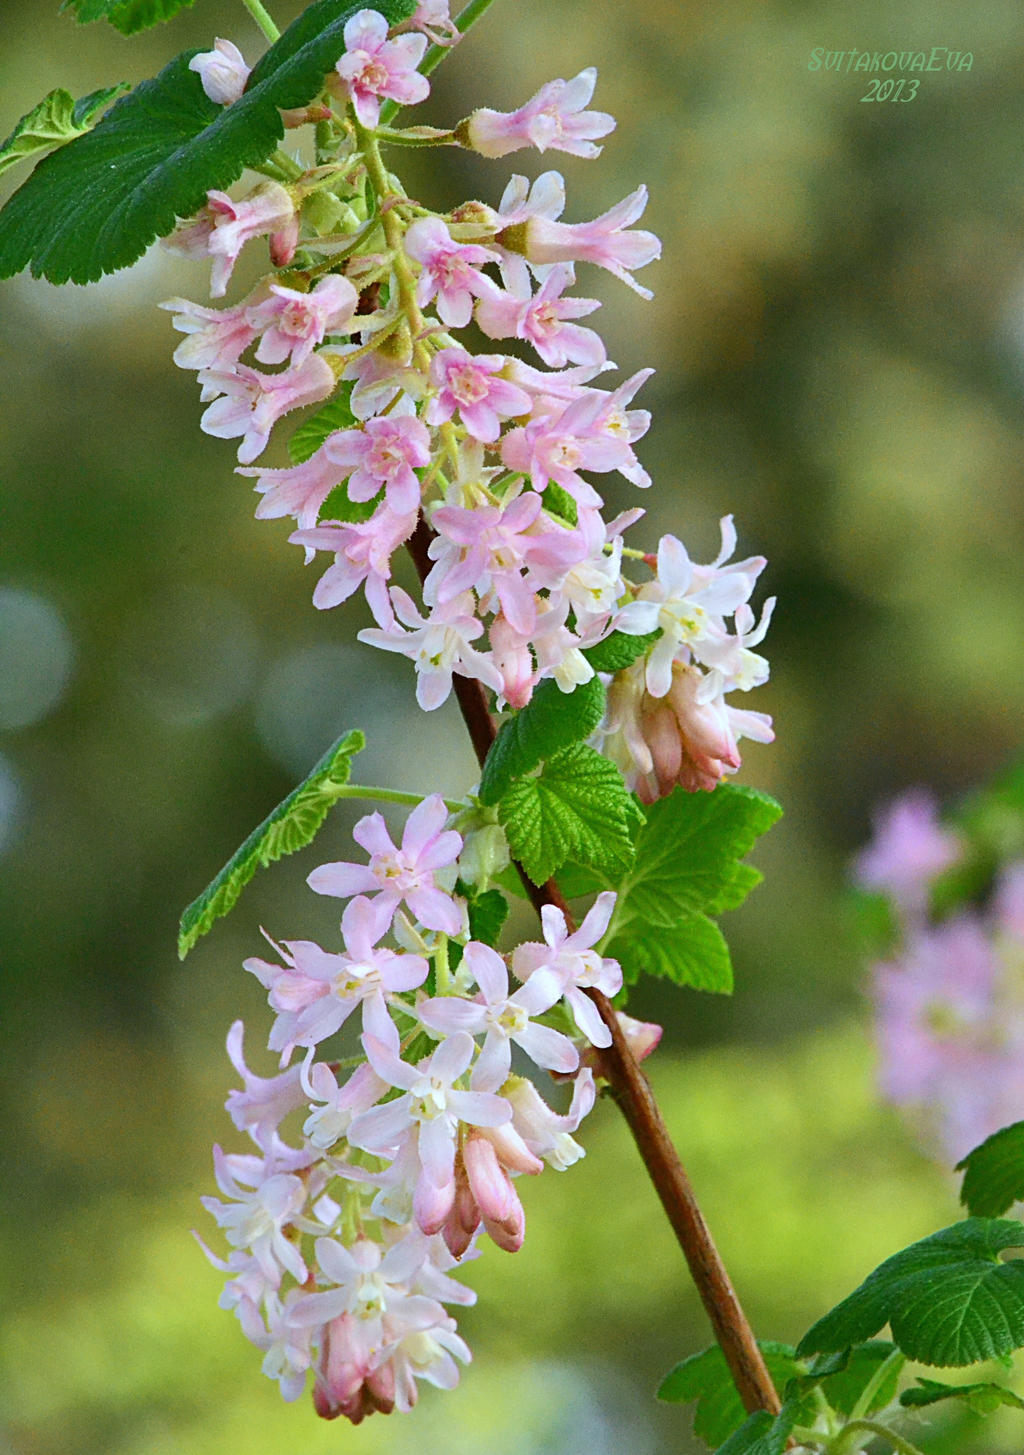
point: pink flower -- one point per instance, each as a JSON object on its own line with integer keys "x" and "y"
{"x": 383, "y": 454}
{"x": 439, "y": 646}
{"x": 502, "y": 1019}
{"x": 910, "y": 849}
{"x": 217, "y": 337}
{"x": 264, "y": 1103}
{"x": 265, "y": 1202}
{"x": 574, "y": 964}
{"x": 252, "y": 403}
{"x": 428, "y": 1117}
{"x": 223, "y": 227}
{"x": 294, "y": 323}
{"x": 484, "y": 1193}
{"x": 362, "y": 555}
{"x": 395, "y": 875}
{"x": 374, "y": 68}
{"x": 542, "y": 321}
{"x": 451, "y": 270}
{"x": 222, "y": 71}
{"x": 472, "y": 386}
{"x": 432, "y": 17}
{"x": 534, "y": 1125}
{"x": 298, "y": 490}
{"x": 554, "y": 118}
{"x": 603, "y": 241}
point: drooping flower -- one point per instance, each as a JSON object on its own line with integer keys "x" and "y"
{"x": 555, "y": 118}
{"x": 223, "y": 227}
{"x": 604, "y": 241}
{"x": 222, "y": 71}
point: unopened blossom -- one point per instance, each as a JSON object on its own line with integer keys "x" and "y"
{"x": 222, "y": 71}
{"x": 544, "y": 319}
{"x": 383, "y": 456}
{"x": 554, "y": 119}
{"x": 450, "y": 270}
{"x": 605, "y": 241}
{"x": 362, "y": 557}
{"x": 294, "y": 323}
{"x": 439, "y": 645}
{"x": 374, "y": 69}
{"x": 484, "y": 1193}
{"x": 401, "y": 875}
{"x": 223, "y": 227}
{"x": 470, "y": 385}
{"x": 502, "y": 1018}
{"x": 249, "y": 403}
{"x": 910, "y": 848}
{"x": 576, "y": 966}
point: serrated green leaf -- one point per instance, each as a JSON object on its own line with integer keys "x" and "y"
{"x": 487, "y": 914}
{"x": 551, "y": 720}
{"x": 128, "y": 16}
{"x": 578, "y": 808}
{"x": 687, "y": 851}
{"x": 691, "y": 952}
{"x": 95, "y": 205}
{"x": 619, "y": 650}
{"x": 983, "y": 1399}
{"x": 745, "y": 878}
{"x": 292, "y": 825}
{"x": 994, "y": 1173}
{"x": 947, "y": 1299}
{"x": 57, "y": 120}
{"x": 705, "y": 1378}
{"x": 311, "y": 433}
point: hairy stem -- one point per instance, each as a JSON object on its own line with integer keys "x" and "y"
{"x": 387, "y": 795}
{"x": 636, "y": 1101}
{"x": 856, "y": 1434}
{"x": 262, "y": 19}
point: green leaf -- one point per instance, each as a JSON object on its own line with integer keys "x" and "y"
{"x": 559, "y": 502}
{"x": 983, "y": 1399}
{"x": 762, "y": 1433}
{"x": 128, "y": 16}
{"x": 311, "y": 433}
{"x": 691, "y": 952}
{"x": 687, "y": 851}
{"x": 844, "y": 1379}
{"x": 948, "y": 1299}
{"x": 95, "y": 205}
{"x": 705, "y": 1378}
{"x": 994, "y": 1173}
{"x": 292, "y": 825}
{"x": 487, "y": 914}
{"x": 578, "y": 808}
{"x": 551, "y": 720}
{"x": 620, "y": 650}
{"x": 58, "y": 119}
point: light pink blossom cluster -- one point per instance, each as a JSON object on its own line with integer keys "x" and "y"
{"x": 343, "y": 1241}
{"x": 949, "y": 1001}
{"x": 497, "y": 455}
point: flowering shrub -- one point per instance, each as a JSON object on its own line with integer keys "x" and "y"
{"x": 597, "y": 681}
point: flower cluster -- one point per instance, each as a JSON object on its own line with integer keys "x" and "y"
{"x": 343, "y": 1246}
{"x": 343, "y": 1237}
{"x": 493, "y": 453}
{"x": 949, "y": 1002}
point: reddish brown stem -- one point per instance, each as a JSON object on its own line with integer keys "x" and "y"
{"x": 635, "y": 1099}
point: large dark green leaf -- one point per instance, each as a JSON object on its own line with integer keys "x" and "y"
{"x": 95, "y": 206}
{"x": 948, "y": 1299}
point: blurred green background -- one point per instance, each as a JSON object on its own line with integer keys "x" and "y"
{"x": 838, "y": 330}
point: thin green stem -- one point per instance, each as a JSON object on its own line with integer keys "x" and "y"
{"x": 441, "y": 966}
{"x": 436, "y": 53}
{"x": 387, "y": 795}
{"x": 844, "y": 1445}
{"x": 262, "y": 19}
{"x": 394, "y": 232}
{"x": 895, "y": 1360}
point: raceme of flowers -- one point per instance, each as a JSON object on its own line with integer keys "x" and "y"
{"x": 342, "y": 1243}
{"x": 949, "y": 1003}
